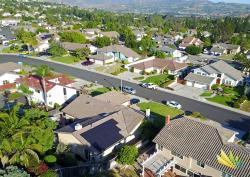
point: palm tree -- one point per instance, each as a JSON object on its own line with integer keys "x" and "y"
{"x": 25, "y": 90}
{"x": 43, "y": 71}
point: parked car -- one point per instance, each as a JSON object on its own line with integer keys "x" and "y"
{"x": 149, "y": 86}
{"x": 134, "y": 101}
{"x": 174, "y": 104}
{"x": 129, "y": 90}
{"x": 87, "y": 63}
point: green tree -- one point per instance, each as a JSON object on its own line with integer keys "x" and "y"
{"x": 56, "y": 50}
{"x": 147, "y": 43}
{"x": 41, "y": 30}
{"x": 127, "y": 155}
{"x": 28, "y": 93}
{"x": 27, "y": 37}
{"x": 43, "y": 71}
{"x": 49, "y": 173}
{"x": 102, "y": 41}
{"x": 82, "y": 53}
{"x": 193, "y": 50}
{"x": 75, "y": 37}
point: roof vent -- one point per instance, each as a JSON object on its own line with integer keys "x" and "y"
{"x": 78, "y": 126}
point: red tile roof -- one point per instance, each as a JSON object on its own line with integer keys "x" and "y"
{"x": 62, "y": 79}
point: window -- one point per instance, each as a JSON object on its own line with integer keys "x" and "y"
{"x": 38, "y": 91}
{"x": 64, "y": 91}
{"x": 200, "y": 164}
{"x": 226, "y": 175}
{"x": 192, "y": 174}
{"x": 177, "y": 167}
{"x": 180, "y": 168}
{"x": 5, "y": 82}
{"x": 160, "y": 147}
{"x": 176, "y": 154}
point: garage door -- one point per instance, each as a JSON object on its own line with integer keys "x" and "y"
{"x": 202, "y": 86}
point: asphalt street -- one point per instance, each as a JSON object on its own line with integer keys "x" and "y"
{"x": 224, "y": 116}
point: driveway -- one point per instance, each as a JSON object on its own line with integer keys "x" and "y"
{"x": 184, "y": 90}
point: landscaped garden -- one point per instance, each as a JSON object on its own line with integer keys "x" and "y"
{"x": 207, "y": 94}
{"x": 66, "y": 59}
{"x": 162, "y": 80}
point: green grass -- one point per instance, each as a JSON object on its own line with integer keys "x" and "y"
{"x": 100, "y": 91}
{"x": 207, "y": 94}
{"x": 119, "y": 71}
{"x": 14, "y": 96}
{"x": 160, "y": 80}
{"x": 139, "y": 78}
{"x": 66, "y": 59}
{"x": 8, "y": 50}
{"x": 226, "y": 57}
{"x": 245, "y": 106}
{"x": 160, "y": 110}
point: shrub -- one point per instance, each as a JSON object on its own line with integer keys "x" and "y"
{"x": 193, "y": 50}
{"x": 41, "y": 168}
{"x": 215, "y": 87}
{"x": 50, "y": 159}
{"x": 127, "y": 155}
{"x": 236, "y": 104}
{"x": 56, "y": 106}
{"x": 49, "y": 173}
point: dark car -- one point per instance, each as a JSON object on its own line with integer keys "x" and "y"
{"x": 87, "y": 63}
{"x": 134, "y": 101}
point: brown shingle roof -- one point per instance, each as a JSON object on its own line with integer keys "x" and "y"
{"x": 113, "y": 97}
{"x": 202, "y": 142}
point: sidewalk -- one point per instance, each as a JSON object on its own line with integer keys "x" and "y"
{"x": 137, "y": 82}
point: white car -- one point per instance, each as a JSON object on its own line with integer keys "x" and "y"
{"x": 149, "y": 86}
{"x": 129, "y": 90}
{"x": 174, "y": 104}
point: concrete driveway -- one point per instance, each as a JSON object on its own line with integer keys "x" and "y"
{"x": 186, "y": 91}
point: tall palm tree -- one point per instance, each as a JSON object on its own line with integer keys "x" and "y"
{"x": 43, "y": 71}
{"x": 25, "y": 90}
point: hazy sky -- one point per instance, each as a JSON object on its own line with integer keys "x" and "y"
{"x": 239, "y": 1}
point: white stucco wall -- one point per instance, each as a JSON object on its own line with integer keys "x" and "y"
{"x": 10, "y": 77}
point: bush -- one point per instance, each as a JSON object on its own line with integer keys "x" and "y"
{"x": 67, "y": 160}
{"x": 40, "y": 169}
{"x": 215, "y": 87}
{"x": 236, "y": 104}
{"x": 57, "y": 106}
{"x": 49, "y": 173}
{"x": 193, "y": 50}
{"x": 127, "y": 155}
{"x": 50, "y": 159}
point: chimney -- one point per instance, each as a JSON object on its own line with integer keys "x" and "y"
{"x": 167, "y": 120}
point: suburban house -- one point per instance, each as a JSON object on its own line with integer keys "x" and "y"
{"x": 191, "y": 147}
{"x": 101, "y": 59}
{"x": 43, "y": 42}
{"x": 216, "y": 73}
{"x": 173, "y": 52}
{"x": 58, "y": 89}
{"x": 110, "y": 34}
{"x": 188, "y": 41}
{"x": 159, "y": 65}
{"x": 119, "y": 52}
{"x": 6, "y": 36}
{"x": 223, "y": 48}
{"x": 72, "y": 47}
{"x": 9, "y": 74}
{"x": 139, "y": 34}
{"x": 164, "y": 40}
{"x": 9, "y": 22}
{"x": 101, "y": 125}
{"x": 91, "y": 33}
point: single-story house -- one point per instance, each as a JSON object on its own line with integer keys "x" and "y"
{"x": 222, "y": 72}
{"x": 191, "y": 147}
{"x": 110, "y": 34}
{"x": 9, "y": 22}
{"x": 223, "y": 48}
{"x": 101, "y": 125}
{"x": 158, "y": 65}
{"x": 188, "y": 41}
{"x": 119, "y": 52}
{"x": 72, "y": 47}
{"x": 58, "y": 89}
{"x": 173, "y": 52}
{"x": 101, "y": 59}
{"x": 6, "y": 35}
{"x": 9, "y": 73}
{"x": 91, "y": 33}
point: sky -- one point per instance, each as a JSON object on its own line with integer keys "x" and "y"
{"x": 238, "y": 1}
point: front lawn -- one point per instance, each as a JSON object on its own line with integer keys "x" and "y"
{"x": 160, "y": 110}
{"x": 66, "y": 59}
{"x": 100, "y": 91}
{"x": 162, "y": 80}
{"x": 206, "y": 94}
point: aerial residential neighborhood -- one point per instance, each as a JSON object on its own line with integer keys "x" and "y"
{"x": 124, "y": 89}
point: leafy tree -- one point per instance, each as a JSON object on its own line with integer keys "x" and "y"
{"x": 159, "y": 54}
{"x": 193, "y": 50}
{"x": 56, "y": 50}
{"x": 26, "y": 37}
{"x": 147, "y": 43}
{"x": 25, "y": 90}
{"x": 242, "y": 58}
{"x": 102, "y": 41}
{"x": 75, "y": 37}
{"x": 127, "y": 155}
{"x": 49, "y": 173}
{"x": 82, "y": 53}
{"x": 41, "y": 30}
{"x": 42, "y": 71}
{"x": 13, "y": 171}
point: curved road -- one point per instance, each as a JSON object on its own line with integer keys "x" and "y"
{"x": 224, "y": 116}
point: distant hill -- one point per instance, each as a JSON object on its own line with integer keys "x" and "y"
{"x": 174, "y": 7}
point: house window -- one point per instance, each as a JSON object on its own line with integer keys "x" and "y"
{"x": 178, "y": 167}
{"x": 64, "y": 91}
{"x": 160, "y": 148}
{"x": 226, "y": 175}
{"x": 200, "y": 164}
{"x": 38, "y": 91}
{"x": 5, "y": 82}
{"x": 176, "y": 154}
{"x": 192, "y": 174}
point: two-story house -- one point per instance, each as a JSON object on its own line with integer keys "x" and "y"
{"x": 119, "y": 52}
{"x": 189, "y": 41}
{"x": 58, "y": 89}
{"x": 219, "y": 72}
{"x": 190, "y": 148}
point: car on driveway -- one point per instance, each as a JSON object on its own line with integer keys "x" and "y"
{"x": 149, "y": 86}
{"x": 87, "y": 63}
{"x": 174, "y": 104}
{"x": 129, "y": 90}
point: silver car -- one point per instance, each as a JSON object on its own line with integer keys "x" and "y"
{"x": 129, "y": 90}
{"x": 174, "y": 104}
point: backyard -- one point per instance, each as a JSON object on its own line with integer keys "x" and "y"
{"x": 162, "y": 80}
